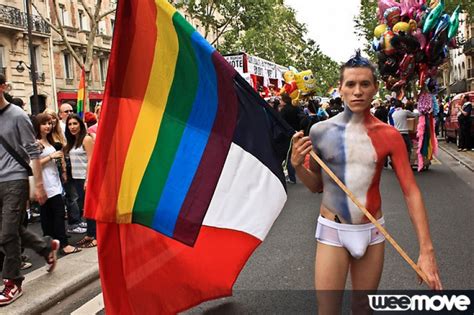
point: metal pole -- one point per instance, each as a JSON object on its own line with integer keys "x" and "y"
{"x": 35, "y": 103}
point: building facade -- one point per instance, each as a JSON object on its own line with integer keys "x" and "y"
{"x": 77, "y": 26}
{"x": 15, "y": 61}
{"x": 57, "y": 74}
{"x": 456, "y": 74}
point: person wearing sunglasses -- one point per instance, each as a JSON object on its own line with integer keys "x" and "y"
{"x": 64, "y": 111}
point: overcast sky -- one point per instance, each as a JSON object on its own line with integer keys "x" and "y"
{"x": 330, "y": 24}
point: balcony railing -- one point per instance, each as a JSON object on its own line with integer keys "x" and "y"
{"x": 469, "y": 46}
{"x": 14, "y": 17}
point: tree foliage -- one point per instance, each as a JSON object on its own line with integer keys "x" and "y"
{"x": 263, "y": 28}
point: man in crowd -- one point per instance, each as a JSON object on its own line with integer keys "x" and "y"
{"x": 400, "y": 119}
{"x": 18, "y": 144}
{"x": 465, "y": 122}
{"x": 292, "y": 114}
{"x": 64, "y": 111}
{"x": 354, "y": 146}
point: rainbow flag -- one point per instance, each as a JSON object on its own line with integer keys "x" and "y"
{"x": 185, "y": 148}
{"x": 81, "y": 93}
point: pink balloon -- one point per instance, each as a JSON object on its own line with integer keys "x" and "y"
{"x": 420, "y": 37}
{"x": 406, "y": 5}
{"x": 384, "y": 5}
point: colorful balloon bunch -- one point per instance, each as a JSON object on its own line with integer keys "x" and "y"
{"x": 412, "y": 40}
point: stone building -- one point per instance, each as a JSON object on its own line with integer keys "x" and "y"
{"x": 77, "y": 26}
{"x": 57, "y": 72}
{"x": 15, "y": 59}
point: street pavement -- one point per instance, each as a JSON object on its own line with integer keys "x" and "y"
{"x": 278, "y": 278}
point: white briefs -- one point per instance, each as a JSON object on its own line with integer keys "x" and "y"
{"x": 353, "y": 237}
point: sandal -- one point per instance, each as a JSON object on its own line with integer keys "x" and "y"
{"x": 75, "y": 250}
{"x": 92, "y": 243}
{"x": 84, "y": 241}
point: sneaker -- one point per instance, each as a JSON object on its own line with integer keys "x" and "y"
{"x": 25, "y": 265}
{"x": 25, "y": 257}
{"x": 83, "y": 225}
{"x": 51, "y": 258}
{"x": 77, "y": 230}
{"x": 10, "y": 292}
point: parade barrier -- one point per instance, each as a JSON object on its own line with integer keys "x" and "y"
{"x": 382, "y": 230}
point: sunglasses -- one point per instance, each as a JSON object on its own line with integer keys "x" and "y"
{"x": 68, "y": 111}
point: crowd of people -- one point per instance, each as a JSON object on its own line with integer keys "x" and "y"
{"x": 60, "y": 147}
{"x": 304, "y": 114}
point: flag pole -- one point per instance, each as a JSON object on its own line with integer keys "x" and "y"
{"x": 370, "y": 217}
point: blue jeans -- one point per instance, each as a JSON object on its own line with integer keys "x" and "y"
{"x": 79, "y": 185}
{"x": 73, "y": 211}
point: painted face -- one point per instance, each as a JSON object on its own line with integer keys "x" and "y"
{"x": 65, "y": 111}
{"x": 74, "y": 126}
{"x": 305, "y": 81}
{"x": 358, "y": 88}
{"x": 46, "y": 127}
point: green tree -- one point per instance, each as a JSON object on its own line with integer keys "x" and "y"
{"x": 264, "y": 28}
{"x": 283, "y": 42}
{"x": 217, "y": 17}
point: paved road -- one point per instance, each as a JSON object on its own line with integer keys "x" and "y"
{"x": 278, "y": 278}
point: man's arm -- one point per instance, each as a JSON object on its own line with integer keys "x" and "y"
{"x": 311, "y": 178}
{"x": 416, "y": 210}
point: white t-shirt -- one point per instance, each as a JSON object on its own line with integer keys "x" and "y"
{"x": 51, "y": 180}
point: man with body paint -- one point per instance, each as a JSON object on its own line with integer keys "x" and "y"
{"x": 354, "y": 145}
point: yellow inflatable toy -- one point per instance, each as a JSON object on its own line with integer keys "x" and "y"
{"x": 401, "y": 27}
{"x": 305, "y": 82}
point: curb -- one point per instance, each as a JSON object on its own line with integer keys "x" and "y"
{"x": 457, "y": 159}
{"x": 42, "y": 290}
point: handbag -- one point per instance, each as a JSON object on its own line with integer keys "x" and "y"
{"x": 22, "y": 162}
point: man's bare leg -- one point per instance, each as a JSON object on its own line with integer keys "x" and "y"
{"x": 365, "y": 274}
{"x": 331, "y": 268}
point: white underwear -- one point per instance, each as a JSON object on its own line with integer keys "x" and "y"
{"x": 353, "y": 237}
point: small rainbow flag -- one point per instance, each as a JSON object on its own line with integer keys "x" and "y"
{"x": 186, "y": 148}
{"x": 81, "y": 93}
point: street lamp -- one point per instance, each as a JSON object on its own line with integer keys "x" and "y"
{"x": 20, "y": 67}
{"x": 35, "y": 103}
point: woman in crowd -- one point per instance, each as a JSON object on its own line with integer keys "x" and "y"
{"x": 57, "y": 132}
{"x": 52, "y": 212}
{"x": 79, "y": 147}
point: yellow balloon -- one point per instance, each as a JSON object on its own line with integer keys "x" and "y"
{"x": 413, "y": 25}
{"x": 401, "y": 26}
{"x": 305, "y": 81}
{"x": 379, "y": 30}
